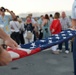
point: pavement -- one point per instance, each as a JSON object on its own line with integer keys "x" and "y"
{"x": 42, "y": 63}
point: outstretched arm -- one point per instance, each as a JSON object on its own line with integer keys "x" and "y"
{"x": 5, "y": 57}
{"x": 74, "y": 23}
{"x": 12, "y": 13}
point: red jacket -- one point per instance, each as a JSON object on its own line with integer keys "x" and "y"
{"x": 56, "y": 26}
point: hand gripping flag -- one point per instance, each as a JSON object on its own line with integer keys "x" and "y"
{"x": 39, "y": 45}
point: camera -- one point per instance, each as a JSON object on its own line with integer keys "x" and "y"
{"x": 2, "y": 9}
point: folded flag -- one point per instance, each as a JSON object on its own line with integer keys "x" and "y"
{"x": 39, "y": 45}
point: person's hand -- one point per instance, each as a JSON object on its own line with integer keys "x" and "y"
{"x": 11, "y": 43}
{"x": 73, "y": 27}
{"x": 5, "y": 57}
{"x": 7, "y": 10}
{"x": 52, "y": 30}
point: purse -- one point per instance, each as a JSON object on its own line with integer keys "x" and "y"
{"x": 29, "y": 35}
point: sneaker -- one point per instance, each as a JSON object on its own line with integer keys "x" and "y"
{"x": 66, "y": 51}
{"x": 55, "y": 52}
{"x": 60, "y": 51}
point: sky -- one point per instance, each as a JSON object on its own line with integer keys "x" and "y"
{"x": 26, "y": 6}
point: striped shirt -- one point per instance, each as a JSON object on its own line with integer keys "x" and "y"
{"x": 65, "y": 23}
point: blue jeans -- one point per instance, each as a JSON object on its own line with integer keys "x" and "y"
{"x": 74, "y": 55}
{"x": 66, "y": 45}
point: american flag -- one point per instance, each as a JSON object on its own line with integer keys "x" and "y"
{"x": 40, "y": 45}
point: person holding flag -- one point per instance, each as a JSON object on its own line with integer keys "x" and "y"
{"x": 74, "y": 27}
{"x": 5, "y": 57}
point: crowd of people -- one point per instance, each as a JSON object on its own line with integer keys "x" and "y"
{"x": 32, "y": 29}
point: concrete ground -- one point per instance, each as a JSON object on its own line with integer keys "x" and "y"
{"x": 43, "y": 63}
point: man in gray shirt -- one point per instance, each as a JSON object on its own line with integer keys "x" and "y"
{"x": 66, "y": 23}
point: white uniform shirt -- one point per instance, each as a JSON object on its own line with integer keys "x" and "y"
{"x": 14, "y": 26}
{"x": 74, "y": 10}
